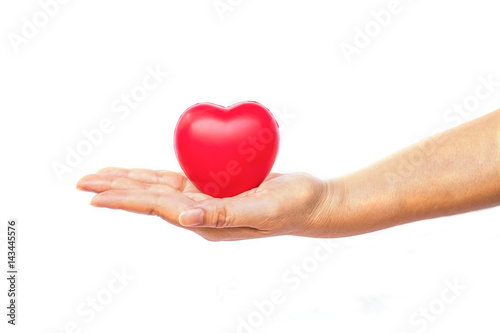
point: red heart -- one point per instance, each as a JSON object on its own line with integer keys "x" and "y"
{"x": 226, "y": 151}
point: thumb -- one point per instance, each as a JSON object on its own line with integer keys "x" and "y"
{"x": 247, "y": 211}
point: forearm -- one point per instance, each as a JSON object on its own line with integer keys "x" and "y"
{"x": 453, "y": 172}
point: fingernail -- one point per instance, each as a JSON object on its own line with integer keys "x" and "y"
{"x": 191, "y": 217}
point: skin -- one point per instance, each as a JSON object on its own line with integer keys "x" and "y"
{"x": 453, "y": 172}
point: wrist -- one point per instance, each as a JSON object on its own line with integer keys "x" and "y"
{"x": 329, "y": 211}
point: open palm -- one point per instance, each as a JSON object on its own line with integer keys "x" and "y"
{"x": 282, "y": 204}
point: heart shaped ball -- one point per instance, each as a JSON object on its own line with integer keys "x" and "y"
{"x": 225, "y": 151}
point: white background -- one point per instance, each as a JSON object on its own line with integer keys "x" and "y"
{"x": 341, "y": 116}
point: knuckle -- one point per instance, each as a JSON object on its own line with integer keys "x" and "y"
{"x": 221, "y": 216}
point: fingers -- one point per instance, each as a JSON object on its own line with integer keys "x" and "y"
{"x": 159, "y": 193}
{"x": 100, "y": 183}
{"x": 169, "y": 208}
{"x": 252, "y": 211}
{"x": 173, "y": 179}
{"x": 145, "y": 202}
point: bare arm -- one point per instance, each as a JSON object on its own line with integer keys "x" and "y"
{"x": 450, "y": 173}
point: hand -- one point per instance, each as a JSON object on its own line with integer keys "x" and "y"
{"x": 284, "y": 204}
